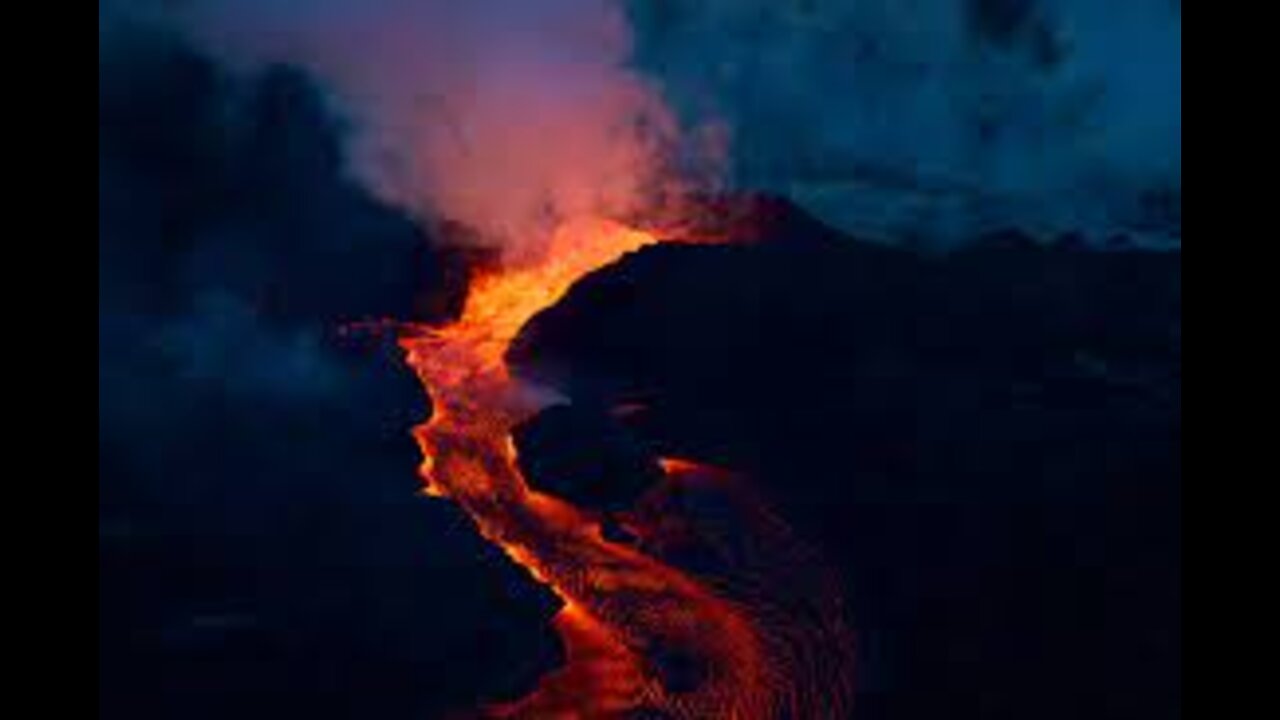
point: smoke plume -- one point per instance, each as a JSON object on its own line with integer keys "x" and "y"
{"x": 505, "y": 115}
{"x": 930, "y": 119}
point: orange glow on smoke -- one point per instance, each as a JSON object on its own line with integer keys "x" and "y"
{"x": 621, "y": 607}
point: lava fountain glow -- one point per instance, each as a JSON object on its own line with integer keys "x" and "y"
{"x": 626, "y": 613}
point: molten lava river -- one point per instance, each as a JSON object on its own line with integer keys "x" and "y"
{"x": 764, "y": 639}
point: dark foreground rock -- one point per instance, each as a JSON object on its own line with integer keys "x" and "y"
{"x": 579, "y": 453}
{"x": 988, "y": 443}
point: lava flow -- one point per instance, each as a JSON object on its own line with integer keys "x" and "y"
{"x": 640, "y": 634}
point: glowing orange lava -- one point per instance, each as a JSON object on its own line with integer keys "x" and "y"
{"x": 625, "y": 613}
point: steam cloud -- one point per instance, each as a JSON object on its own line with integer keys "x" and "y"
{"x": 929, "y": 118}
{"x": 938, "y": 117}
{"x": 505, "y": 115}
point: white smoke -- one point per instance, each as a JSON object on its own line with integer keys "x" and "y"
{"x": 506, "y": 115}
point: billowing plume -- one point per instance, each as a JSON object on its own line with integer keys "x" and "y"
{"x": 939, "y": 118}
{"x": 505, "y": 115}
{"x": 932, "y": 119}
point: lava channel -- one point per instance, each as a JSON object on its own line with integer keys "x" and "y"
{"x": 642, "y": 637}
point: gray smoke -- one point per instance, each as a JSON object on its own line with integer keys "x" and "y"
{"x": 916, "y": 118}
{"x": 938, "y": 117}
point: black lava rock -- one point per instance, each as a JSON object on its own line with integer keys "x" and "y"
{"x": 586, "y": 457}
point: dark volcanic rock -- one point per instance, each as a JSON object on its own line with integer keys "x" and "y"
{"x": 988, "y": 443}
{"x": 584, "y": 456}
{"x": 262, "y": 551}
